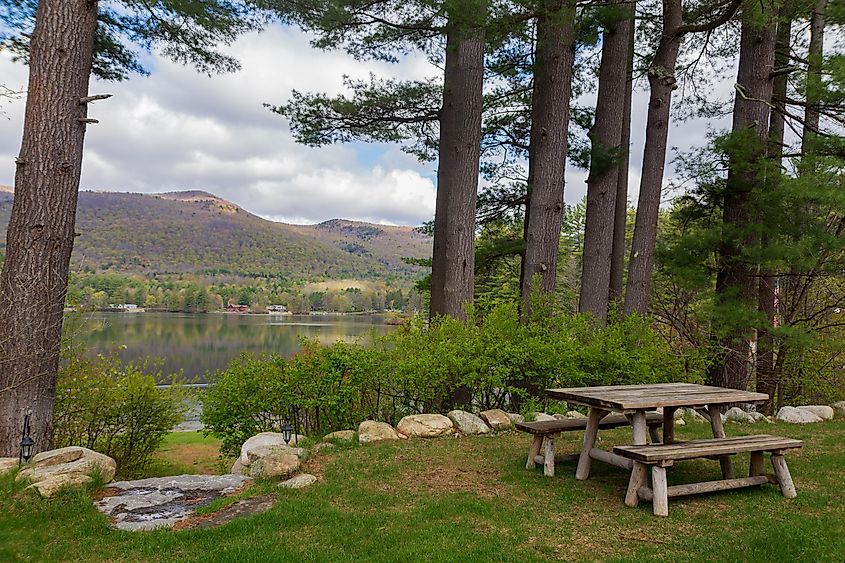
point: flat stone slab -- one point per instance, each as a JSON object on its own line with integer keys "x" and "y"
{"x": 240, "y": 509}
{"x": 161, "y": 502}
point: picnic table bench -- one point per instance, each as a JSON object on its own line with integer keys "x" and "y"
{"x": 661, "y": 456}
{"x": 548, "y": 430}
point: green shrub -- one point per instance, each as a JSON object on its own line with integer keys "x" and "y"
{"x": 115, "y": 409}
{"x": 494, "y": 362}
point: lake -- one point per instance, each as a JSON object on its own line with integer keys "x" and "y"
{"x": 202, "y": 343}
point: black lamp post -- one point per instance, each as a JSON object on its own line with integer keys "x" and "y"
{"x": 287, "y": 430}
{"x": 27, "y": 443}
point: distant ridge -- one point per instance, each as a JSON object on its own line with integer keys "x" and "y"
{"x": 198, "y": 232}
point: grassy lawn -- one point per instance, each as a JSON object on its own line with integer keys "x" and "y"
{"x": 470, "y": 499}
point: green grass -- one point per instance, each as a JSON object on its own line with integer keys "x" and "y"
{"x": 188, "y": 452}
{"x": 470, "y": 499}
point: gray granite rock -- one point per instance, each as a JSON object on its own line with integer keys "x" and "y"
{"x": 796, "y": 416}
{"x": 516, "y": 417}
{"x": 542, "y": 417}
{"x": 373, "y": 431}
{"x": 425, "y": 426}
{"x": 467, "y": 423}
{"x": 824, "y": 412}
{"x": 299, "y": 482}
{"x": 839, "y": 409}
{"x": 8, "y": 464}
{"x": 72, "y": 466}
{"x": 161, "y": 502}
{"x": 497, "y": 419}
{"x": 341, "y": 436}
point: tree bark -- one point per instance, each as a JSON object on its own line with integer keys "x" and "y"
{"x": 736, "y": 281}
{"x": 620, "y": 216}
{"x": 547, "y": 154}
{"x": 40, "y": 236}
{"x": 606, "y": 138}
{"x": 766, "y": 381}
{"x": 815, "y": 56}
{"x": 661, "y": 79}
{"x": 453, "y": 262}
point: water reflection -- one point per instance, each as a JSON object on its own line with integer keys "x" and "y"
{"x": 199, "y": 343}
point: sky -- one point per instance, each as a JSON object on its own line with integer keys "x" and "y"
{"x": 180, "y": 130}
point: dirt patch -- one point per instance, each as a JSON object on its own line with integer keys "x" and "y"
{"x": 204, "y": 459}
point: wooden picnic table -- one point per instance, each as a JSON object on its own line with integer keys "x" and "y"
{"x": 634, "y": 401}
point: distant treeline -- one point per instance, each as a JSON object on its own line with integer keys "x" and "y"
{"x": 195, "y": 295}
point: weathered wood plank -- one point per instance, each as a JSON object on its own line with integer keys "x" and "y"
{"x": 633, "y": 397}
{"x": 573, "y": 424}
{"x": 703, "y": 448}
{"x": 756, "y": 465}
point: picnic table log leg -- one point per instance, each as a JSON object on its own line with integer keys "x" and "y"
{"x": 660, "y": 488}
{"x": 787, "y": 487}
{"x": 756, "y": 467}
{"x": 669, "y": 425}
{"x": 653, "y": 434}
{"x": 639, "y": 472}
{"x": 549, "y": 461}
{"x": 719, "y": 432}
{"x": 592, "y": 430}
{"x": 533, "y": 451}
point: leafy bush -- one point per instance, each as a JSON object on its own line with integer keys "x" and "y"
{"x": 115, "y": 409}
{"x": 494, "y": 362}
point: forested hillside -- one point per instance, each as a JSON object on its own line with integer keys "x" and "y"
{"x": 197, "y": 232}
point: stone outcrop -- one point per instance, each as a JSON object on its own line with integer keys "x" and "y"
{"x": 793, "y": 415}
{"x": 340, "y": 436}
{"x": 299, "y": 482}
{"x": 275, "y": 463}
{"x": 542, "y": 417}
{"x": 66, "y": 467}
{"x": 425, "y": 426}
{"x": 148, "y": 504}
{"x": 467, "y": 423}
{"x": 575, "y": 414}
{"x": 497, "y": 419}
{"x": 372, "y": 431}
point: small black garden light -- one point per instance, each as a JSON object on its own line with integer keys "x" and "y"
{"x": 27, "y": 443}
{"x": 287, "y": 430}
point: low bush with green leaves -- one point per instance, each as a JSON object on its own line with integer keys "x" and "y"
{"x": 115, "y": 409}
{"x": 491, "y": 362}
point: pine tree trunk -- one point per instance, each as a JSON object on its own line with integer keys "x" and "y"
{"x": 620, "y": 217}
{"x": 766, "y": 381}
{"x": 815, "y": 55}
{"x": 40, "y": 236}
{"x": 547, "y": 155}
{"x": 736, "y": 281}
{"x": 453, "y": 263}
{"x": 606, "y": 138}
{"x": 661, "y": 79}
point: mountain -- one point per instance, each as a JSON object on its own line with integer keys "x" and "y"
{"x": 198, "y": 232}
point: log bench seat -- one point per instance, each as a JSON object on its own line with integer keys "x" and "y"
{"x": 547, "y": 430}
{"x": 661, "y": 456}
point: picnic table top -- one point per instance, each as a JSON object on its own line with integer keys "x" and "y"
{"x": 640, "y": 397}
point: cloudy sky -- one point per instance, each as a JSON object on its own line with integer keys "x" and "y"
{"x": 179, "y": 130}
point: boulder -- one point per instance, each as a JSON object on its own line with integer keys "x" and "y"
{"x": 824, "y": 412}
{"x": 266, "y": 439}
{"x": 575, "y": 414}
{"x": 467, "y": 423}
{"x": 736, "y": 414}
{"x": 259, "y": 452}
{"x": 692, "y": 414}
{"x": 497, "y": 419}
{"x": 680, "y": 422}
{"x": 839, "y": 409}
{"x": 341, "y": 436}
{"x": 278, "y": 464}
{"x": 516, "y": 417}
{"x": 679, "y": 413}
{"x": 8, "y": 464}
{"x": 322, "y": 446}
{"x": 239, "y": 468}
{"x": 372, "y": 431}
{"x": 759, "y": 417}
{"x": 71, "y": 466}
{"x": 796, "y": 416}
{"x": 425, "y": 426}
{"x": 558, "y": 416}
{"x": 299, "y": 482}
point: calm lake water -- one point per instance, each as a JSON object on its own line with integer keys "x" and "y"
{"x": 202, "y": 343}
